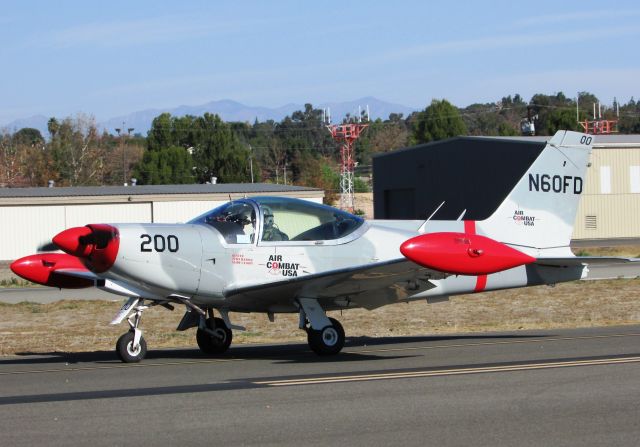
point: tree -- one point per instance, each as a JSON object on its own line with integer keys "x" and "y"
{"x": 9, "y": 161}
{"x": 162, "y": 133}
{"x": 438, "y": 121}
{"x": 304, "y": 134}
{"x": 76, "y": 151}
{"x": 629, "y": 117}
{"x": 554, "y": 112}
{"x": 218, "y": 151}
{"x": 561, "y": 119}
{"x": 28, "y": 136}
{"x": 53, "y": 126}
{"x": 165, "y": 166}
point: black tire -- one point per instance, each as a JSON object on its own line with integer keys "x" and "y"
{"x": 125, "y": 350}
{"x": 210, "y": 344}
{"x": 329, "y": 340}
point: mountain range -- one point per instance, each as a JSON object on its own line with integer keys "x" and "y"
{"x": 228, "y": 110}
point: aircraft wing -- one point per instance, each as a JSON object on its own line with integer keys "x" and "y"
{"x": 369, "y": 286}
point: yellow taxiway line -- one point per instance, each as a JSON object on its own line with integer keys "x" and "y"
{"x": 446, "y": 372}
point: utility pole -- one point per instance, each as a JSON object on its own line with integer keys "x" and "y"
{"x": 122, "y": 136}
{"x": 251, "y": 161}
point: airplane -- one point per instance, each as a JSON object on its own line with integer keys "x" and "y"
{"x": 282, "y": 255}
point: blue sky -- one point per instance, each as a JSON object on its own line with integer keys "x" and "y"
{"x": 111, "y": 58}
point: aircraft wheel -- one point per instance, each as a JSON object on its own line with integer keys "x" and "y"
{"x": 127, "y": 352}
{"x": 214, "y": 344}
{"x": 329, "y": 340}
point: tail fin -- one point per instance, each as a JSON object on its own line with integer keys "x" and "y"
{"x": 541, "y": 209}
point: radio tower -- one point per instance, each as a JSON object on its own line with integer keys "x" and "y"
{"x": 599, "y": 125}
{"x": 346, "y": 134}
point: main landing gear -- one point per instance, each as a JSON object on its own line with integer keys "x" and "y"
{"x": 325, "y": 335}
{"x": 215, "y": 337}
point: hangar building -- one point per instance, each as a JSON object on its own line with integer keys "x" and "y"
{"x": 30, "y": 217}
{"x": 476, "y": 173}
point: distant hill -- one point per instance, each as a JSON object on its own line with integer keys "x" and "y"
{"x": 229, "y": 111}
{"x": 234, "y": 111}
{"x": 36, "y": 122}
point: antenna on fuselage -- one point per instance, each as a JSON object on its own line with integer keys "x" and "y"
{"x": 435, "y": 211}
{"x": 421, "y": 229}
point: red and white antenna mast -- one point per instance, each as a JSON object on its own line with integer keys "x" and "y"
{"x": 598, "y": 125}
{"x": 346, "y": 134}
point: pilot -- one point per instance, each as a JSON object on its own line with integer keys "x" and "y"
{"x": 271, "y": 232}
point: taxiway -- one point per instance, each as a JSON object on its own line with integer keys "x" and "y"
{"x": 569, "y": 387}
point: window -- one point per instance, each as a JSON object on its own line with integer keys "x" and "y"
{"x": 298, "y": 220}
{"x": 235, "y": 221}
{"x": 605, "y": 180}
{"x": 634, "y": 179}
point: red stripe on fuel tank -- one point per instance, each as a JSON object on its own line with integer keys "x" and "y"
{"x": 470, "y": 226}
{"x": 481, "y": 283}
{"x": 481, "y": 280}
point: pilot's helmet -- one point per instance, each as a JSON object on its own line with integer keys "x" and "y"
{"x": 268, "y": 216}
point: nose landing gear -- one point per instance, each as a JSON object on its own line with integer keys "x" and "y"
{"x": 131, "y": 346}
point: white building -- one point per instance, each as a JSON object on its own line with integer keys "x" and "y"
{"x": 30, "y": 217}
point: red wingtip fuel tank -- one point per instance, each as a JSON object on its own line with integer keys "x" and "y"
{"x": 462, "y": 253}
{"x": 97, "y": 244}
{"x": 41, "y": 269}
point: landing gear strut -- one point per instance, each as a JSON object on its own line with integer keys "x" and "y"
{"x": 131, "y": 346}
{"x": 324, "y": 335}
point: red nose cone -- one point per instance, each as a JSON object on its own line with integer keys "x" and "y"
{"x": 41, "y": 269}
{"x": 74, "y": 241}
{"x": 105, "y": 248}
{"x": 462, "y": 254}
{"x": 97, "y": 244}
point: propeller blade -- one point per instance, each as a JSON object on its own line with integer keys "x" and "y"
{"x": 48, "y": 246}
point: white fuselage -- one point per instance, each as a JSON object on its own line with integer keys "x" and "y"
{"x": 194, "y": 261}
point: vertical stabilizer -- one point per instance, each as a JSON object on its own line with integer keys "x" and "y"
{"x": 541, "y": 209}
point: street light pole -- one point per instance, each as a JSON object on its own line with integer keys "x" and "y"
{"x": 122, "y": 136}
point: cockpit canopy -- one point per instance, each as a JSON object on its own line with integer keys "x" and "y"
{"x": 279, "y": 219}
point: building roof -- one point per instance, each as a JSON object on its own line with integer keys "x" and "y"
{"x": 607, "y": 140}
{"x": 464, "y": 140}
{"x": 600, "y": 141}
{"x": 149, "y": 193}
{"x": 219, "y": 188}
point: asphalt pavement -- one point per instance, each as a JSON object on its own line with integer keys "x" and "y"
{"x": 569, "y": 387}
